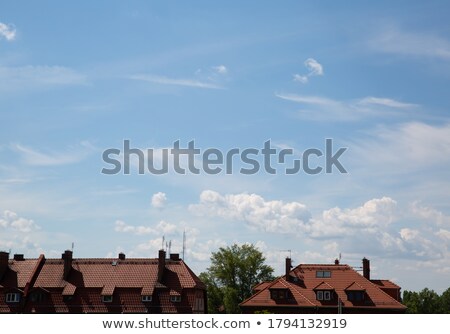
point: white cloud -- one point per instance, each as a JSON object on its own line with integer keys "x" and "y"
{"x": 394, "y": 41}
{"x": 221, "y": 69}
{"x": 7, "y": 31}
{"x": 11, "y": 220}
{"x": 314, "y": 68}
{"x": 176, "y": 81}
{"x": 386, "y": 102}
{"x": 300, "y": 78}
{"x": 270, "y": 216}
{"x": 162, "y": 228}
{"x": 321, "y": 108}
{"x": 444, "y": 234}
{"x": 36, "y": 158}
{"x": 372, "y": 217}
{"x": 430, "y": 214}
{"x": 159, "y": 200}
{"x": 405, "y": 147}
{"x": 38, "y": 77}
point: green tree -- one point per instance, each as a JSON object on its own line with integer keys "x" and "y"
{"x": 445, "y": 301}
{"x": 424, "y": 302}
{"x": 233, "y": 272}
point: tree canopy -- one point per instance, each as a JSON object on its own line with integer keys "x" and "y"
{"x": 234, "y": 270}
{"x": 427, "y": 301}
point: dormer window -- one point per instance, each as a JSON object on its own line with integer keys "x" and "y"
{"x": 175, "y": 299}
{"x": 324, "y": 295}
{"x": 278, "y": 294}
{"x": 13, "y": 297}
{"x": 355, "y": 296}
{"x": 146, "y": 299}
{"x": 107, "y": 299}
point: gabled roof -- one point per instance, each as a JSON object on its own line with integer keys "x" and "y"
{"x": 303, "y": 289}
{"x": 323, "y": 286}
{"x": 384, "y": 283}
{"x": 354, "y": 287}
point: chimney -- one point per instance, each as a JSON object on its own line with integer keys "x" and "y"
{"x": 336, "y": 262}
{"x": 175, "y": 257}
{"x": 4, "y": 258}
{"x": 288, "y": 268}
{"x": 366, "y": 268}
{"x": 161, "y": 264}
{"x": 67, "y": 256}
{"x": 121, "y": 256}
{"x": 19, "y": 257}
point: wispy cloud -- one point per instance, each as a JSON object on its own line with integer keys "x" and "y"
{"x": 37, "y": 158}
{"x": 394, "y": 41}
{"x": 163, "y": 80}
{"x": 38, "y": 77}
{"x": 321, "y": 108}
{"x": 314, "y": 68}
{"x": 404, "y": 147}
{"x": 7, "y": 31}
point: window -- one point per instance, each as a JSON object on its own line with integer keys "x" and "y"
{"x": 355, "y": 296}
{"x": 107, "y": 299}
{"x": 67, "y": 298}
{"x": 146, "y": 299}
{"x": 319, "y": 295}
{"x": 323, "y": 295}
{"x": 323, "y": 274}
{"x": 12, "y": 297}
{"x": 175, "y": 299}
{"x": 278, "y": 294}
{"x": 37, "y": 297}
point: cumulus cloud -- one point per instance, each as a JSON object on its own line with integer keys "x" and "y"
{"x": 314, "y": 69}
{"x": 11, "y": 220}
{"x": 373, "y": 216}
{"x": 162, "y": 228}
{"x": 159, "y": 200}
{"x": 254, "y": 210}
{"x": 7, "y": 31}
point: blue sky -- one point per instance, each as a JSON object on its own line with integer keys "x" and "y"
{"x": 79, "y": 78}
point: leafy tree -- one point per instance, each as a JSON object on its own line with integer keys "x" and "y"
{"x": 233, "y": 272}
{"x": 445, "y": 301}
{"x": 424, "y": 302}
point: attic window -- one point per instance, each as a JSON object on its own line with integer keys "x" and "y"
{"x": 175, "y": 299}
{"x": 323, "y": 295}
{"x": 12, "y": 297}
{"x": 323, "y": 274}
{"x": 107, "y": 299}
{"x": 278, "y": 294}
{"x": 37, "y": 297}
{"x": 355, "y": 296}
{"x": 146, "y": 299}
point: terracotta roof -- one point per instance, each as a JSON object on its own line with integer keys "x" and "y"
{"x": 354, "y": 287}
{"x": 303, "y": 289}
{"x": 385, "y": 283}
{"x": 89, "y": 279}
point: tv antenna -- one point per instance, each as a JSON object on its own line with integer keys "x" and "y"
{"x": 184, "y": 242}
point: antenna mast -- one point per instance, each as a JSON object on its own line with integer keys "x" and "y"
{"x": 184, "y": 242}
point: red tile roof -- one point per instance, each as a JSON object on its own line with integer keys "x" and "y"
{"x": 303, "y": 283}
{"x": 88, "y": 280}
